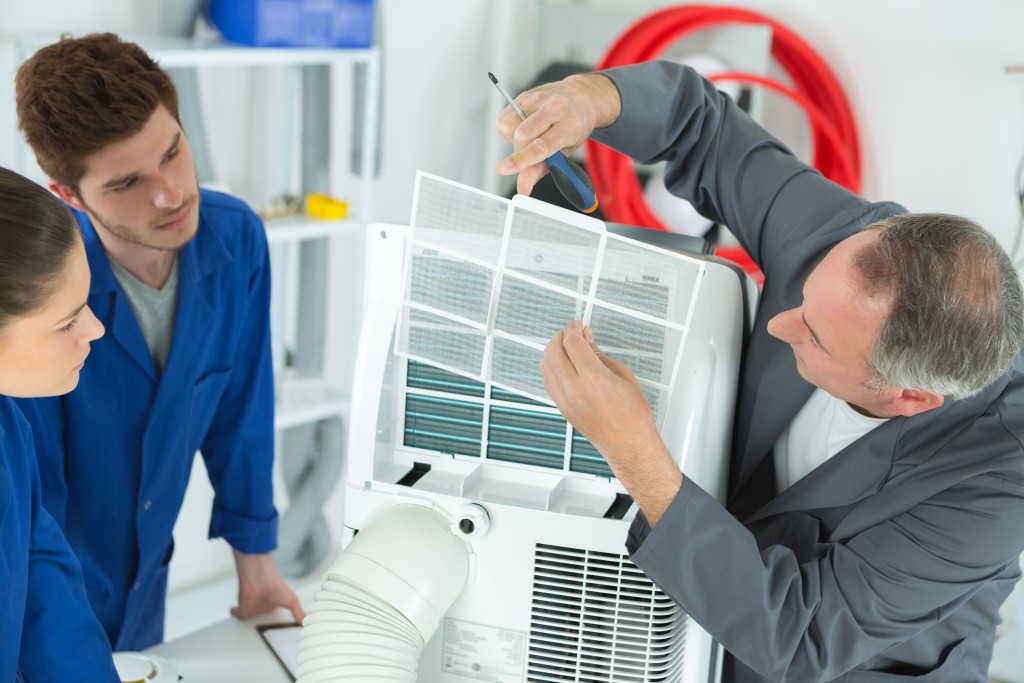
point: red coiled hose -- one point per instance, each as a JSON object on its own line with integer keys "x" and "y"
{"x": 815, "y": 89}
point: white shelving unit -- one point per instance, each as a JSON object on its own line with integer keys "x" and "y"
{"x": 291, "y": 229}
{"x": 287, "y": 232}
{"x": 301, "y": 399}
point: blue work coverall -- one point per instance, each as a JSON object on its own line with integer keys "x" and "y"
{"x": 116, "y": 453}
{"x": 48, "y": 631}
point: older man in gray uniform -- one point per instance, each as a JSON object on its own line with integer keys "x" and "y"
{"x": 876, "y": 499}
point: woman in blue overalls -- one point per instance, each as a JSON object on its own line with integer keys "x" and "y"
{"x": 47, "y": 630}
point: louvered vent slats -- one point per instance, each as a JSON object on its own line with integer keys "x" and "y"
{"x": 596, "y": 617}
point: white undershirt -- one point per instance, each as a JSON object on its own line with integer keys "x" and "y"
{"x": 822, "y": 428}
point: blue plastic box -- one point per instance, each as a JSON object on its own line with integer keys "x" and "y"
{"x": 294, "y": 23}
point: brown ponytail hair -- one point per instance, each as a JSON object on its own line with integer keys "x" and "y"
{"x": 37, "y": 236}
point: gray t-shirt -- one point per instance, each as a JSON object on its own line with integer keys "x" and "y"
{"x": 154, "y": 309}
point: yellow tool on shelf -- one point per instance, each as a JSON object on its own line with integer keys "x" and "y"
{"x": 325, "y": 206}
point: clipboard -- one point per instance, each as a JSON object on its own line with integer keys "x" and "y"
{"x": 283, "y": 641}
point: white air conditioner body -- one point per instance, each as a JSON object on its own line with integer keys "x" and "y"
{"x": 551, "y": 594}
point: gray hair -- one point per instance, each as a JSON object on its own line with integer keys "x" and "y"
{"x": 956, "y": 321}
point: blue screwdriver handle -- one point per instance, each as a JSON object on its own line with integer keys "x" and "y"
{"x": 573, "y": 182}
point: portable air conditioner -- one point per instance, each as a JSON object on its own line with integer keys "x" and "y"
{"x": 489, "y": 535}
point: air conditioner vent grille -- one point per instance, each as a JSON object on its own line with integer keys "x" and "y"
{"x": 596, "y": 617}
{"x": 448, "y": 413}
{"x": 444, "y": 425}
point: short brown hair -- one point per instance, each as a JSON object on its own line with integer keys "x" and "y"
{"x": 79, "y": 95}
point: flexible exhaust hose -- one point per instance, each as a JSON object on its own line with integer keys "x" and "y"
{"x": 383, "y": 598}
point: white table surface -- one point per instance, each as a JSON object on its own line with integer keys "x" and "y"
{"x": 233, "y": 650}
{"x": 229, "y": 650}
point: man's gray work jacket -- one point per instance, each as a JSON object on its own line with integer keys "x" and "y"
{"x": 889, "y": 561}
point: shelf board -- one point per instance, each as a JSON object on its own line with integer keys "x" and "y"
{"x": 184, "y": 52}
{"x": 301, "y": 402}
{"x": 301, "y": 227}
{"x": 173, "y": 52}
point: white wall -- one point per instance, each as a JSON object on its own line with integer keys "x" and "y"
{"x": 45, "y": 21}
{"x": 940, "y": 121}
{"x": 939, "y": 118}
{"x": 435, "y": 96}
{"x": 53, "y": 17}
{"x": 19, "y": 18}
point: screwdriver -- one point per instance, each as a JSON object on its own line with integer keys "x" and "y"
{"x": 570, "y": 179}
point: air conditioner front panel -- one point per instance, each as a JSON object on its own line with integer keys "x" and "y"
{"x": 552, "y": 596}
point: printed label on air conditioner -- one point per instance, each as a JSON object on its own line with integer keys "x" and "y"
{"x": 483, "y": 652}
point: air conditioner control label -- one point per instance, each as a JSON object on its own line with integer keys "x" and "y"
{"x": 485, "y": 653}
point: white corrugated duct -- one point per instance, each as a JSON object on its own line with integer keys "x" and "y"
{"x": 383, "y": 598}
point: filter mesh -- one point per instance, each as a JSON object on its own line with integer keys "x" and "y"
{"x": 494, "y": 280}
{"x": 454, "y": 217}
{"x": 450, "y": 285}
{"x": 648, "y": 348}
{"x": 631, "y": 273}
{"x": 549, "y": 250}
{"x": 518, "y": 367}
{"x": 533, "y": 313}
{"x": 442, "y": 341}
